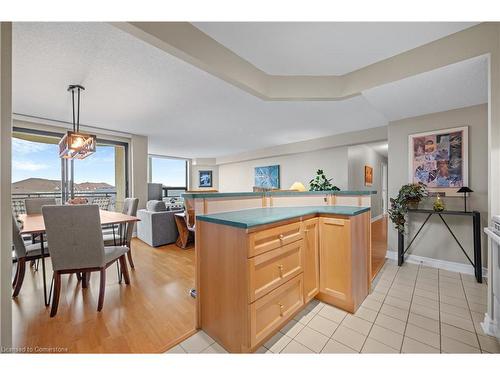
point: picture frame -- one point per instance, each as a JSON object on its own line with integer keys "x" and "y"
{"x": 267, "y": 177}
{"x": 440, "y": 159}
{"x": 368, "y": 175}
{"x": 205, "y": 179}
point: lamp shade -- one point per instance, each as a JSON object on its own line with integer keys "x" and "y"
{"x": 298, "y": 186}
{"x": 465, "y": 189}
{"x": 76, "y": 145}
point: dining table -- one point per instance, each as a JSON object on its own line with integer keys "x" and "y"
{"x": 33, "y": 224}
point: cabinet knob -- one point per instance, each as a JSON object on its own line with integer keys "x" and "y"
{"x": 281, "y": 236}
{"x": 280, "y": 267}
{"x": 281, "y": 309}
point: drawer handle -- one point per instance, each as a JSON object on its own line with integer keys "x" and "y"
{"x": 281, "y": 236}
{"x": 280, "y": 267}
{"x": 281, "y": 309}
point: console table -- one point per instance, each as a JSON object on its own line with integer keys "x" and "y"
{"x": 476, "y": 232}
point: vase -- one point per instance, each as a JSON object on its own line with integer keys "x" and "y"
{"x": 413, "y": 204}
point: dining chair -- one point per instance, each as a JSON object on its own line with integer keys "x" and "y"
{"x": 129, "y": 208}
{"x": 75, "y": 240}
{"x": 34, "y": 206}
{"x": 23, "y": 252}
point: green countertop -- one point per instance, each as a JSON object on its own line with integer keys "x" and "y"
{"x": 201, "y": 194}
{"x": 261, "y": 216}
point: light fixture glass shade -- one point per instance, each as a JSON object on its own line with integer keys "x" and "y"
{"x": 298, "y": 186}
{"x": 76, "y": 145}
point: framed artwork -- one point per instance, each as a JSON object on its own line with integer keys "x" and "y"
{"x": 439, "y": 159}
{"x": 205, "y": 179}
{"x": 267, "y": 177}
{"x": 368, "y": 175}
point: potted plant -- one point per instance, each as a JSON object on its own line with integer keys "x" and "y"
{"x": 321, "y": 183}
{"x": 409, "y": 196}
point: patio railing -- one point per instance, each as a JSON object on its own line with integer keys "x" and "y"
{"x": 106, "y": 200}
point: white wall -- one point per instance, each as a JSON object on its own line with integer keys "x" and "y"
{"x": 434, "y": 241}
{"x": 139, "y": 169}
{"x": 296, "y": 167}
{"x": 358, "y": 157}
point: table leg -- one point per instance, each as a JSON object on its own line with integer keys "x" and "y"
{"x": 401, "y": 248}
{"x": 478, "y": 265}
{"x": 42, "y": 250}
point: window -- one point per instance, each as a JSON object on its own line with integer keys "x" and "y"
{"x": 172, "y": 173}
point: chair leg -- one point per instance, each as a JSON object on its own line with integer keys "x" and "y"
{"x": 85, "y": 279}
{"x": 102, "y": 287}
{"x": 124, "y": 269}
{"x": 79, "y": 276}
{"x": 129, "y": 256}
{"x": 21, "y": 269}
{"x": 57, "y": 292}
{"x": 14, "y": 281}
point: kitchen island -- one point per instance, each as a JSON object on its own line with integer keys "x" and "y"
{"x": 257, "y": 268}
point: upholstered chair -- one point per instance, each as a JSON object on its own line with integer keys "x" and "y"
{"x": 23, "y": 253}
{"x": 129, "y": 208}
{"x": 75, "y": 240}
{"x": 34, "y": 205}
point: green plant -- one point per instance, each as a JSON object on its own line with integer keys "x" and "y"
{"x": 321, "y": 183}
{"x": 407, "y": 195}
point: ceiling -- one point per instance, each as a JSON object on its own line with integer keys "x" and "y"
{"x": 323, "y": 48}
{"x": 136, "y": 88}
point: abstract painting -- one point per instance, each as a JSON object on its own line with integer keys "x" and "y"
{"x": 268, "y": 177}
{"x": 205, "y": 179}
{"x": 368, "y": 175}
{"x": 439, "y": 159}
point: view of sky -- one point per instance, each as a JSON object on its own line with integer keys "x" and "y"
{"x": 170, "y": 172}
{"x": 40, "y": 160}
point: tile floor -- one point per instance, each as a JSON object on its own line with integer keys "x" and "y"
{"x": 412, "y": 309}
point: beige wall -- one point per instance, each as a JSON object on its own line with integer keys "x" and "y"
{"x": 296, "y": 167}
{"x": 197, "y": 165}
{"x": 5, "y": 185}
{"x": 139, "y": 169}
{"x": 434, "y": 241}
{"x": 359, "y": 157}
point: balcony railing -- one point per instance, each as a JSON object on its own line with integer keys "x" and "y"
{"x": 104, "y": 199}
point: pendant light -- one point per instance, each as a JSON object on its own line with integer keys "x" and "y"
{"x": 76, "y": 145}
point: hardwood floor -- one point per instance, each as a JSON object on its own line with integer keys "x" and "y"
{"x": 150, "y": 315}
{"x": 379, "y": 244}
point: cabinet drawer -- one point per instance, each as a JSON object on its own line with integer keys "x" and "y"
{"x": 268, "y": 313}
{"x": 270, "y": 239}
{"x": 269, "y": 270}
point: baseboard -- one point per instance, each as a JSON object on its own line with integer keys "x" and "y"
{"x": 437, "y": 263}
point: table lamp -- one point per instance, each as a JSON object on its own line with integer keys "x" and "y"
{"x": 298, "y": 186}
{"x": 465, "y": 190}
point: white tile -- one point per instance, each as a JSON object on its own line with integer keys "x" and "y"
{"x": 304, "y": 316}
{"x": 349, "y": 337}
{"x": 366, "y": 314}
{"x": 391, "y": 323}
{"x": 373, "y": 346}
{"x": 449, "y": 345}
{"x": 292, "y": 328}
{"x": 489, "y": 344}
{"x": 215, "y": 349}
{"x": 424, "y": 311}
{"x": 457, "y": 321}
{"x": 311, "y": 339}
{"x": 424, "y": 322}
{"x": 197, "y": 343}
{"x": 458, "y": 334}
{"x": 422, "y": 335}
{"x": 334, "y": 314}
{"x": 371, "y": 304}
{"x": 413, "y": 346}
{"x": 357, "y": 324}
{"x": 387, "y": 337}
{"x": 455, "y": 310}
{"x": 333, "y": 346}
{"x": 323, "y": 325}
{"x": 397, "y": 302}
{"x": 176, "y": 350}
{"x": 394, "y": 312}
{"x": 295, "y": 347}
{"x": 277, "y": 342}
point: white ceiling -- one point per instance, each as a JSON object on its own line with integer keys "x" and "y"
{"x": 454, "y": 86}
{"x": 323, "y": 48}
{"x": 133, "y": 87}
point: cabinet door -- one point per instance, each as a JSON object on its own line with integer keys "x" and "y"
{"x": 335, "y": 261}
{"x": 311, "y": 259}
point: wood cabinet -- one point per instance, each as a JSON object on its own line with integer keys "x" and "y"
{"x": 344, "y": 261}
{"x": 311, "y": 258}
{"x": 251, "y": 282}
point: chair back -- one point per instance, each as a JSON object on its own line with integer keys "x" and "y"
{"x": 17, "y": 239}
{"x": 34, "y": 205}
{"x": 130, "y": 208}
{"x": 74, "y": 236}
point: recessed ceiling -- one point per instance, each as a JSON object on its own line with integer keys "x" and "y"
{"x": 323, "y": 48}
{"x": 454, "y": 86}
{"x": 136, "y": 88}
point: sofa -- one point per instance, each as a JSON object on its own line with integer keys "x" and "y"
{"x": 157, "y": 224}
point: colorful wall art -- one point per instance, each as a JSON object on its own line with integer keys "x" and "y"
{"x": 267, "y": 177}
{"x": 368, "y": 175}
{"x": 439, "y": 159}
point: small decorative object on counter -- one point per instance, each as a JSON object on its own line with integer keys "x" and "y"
{"x": 321, "y": 183}
{"x": 465, "y": 190}
{"x": 438, "y": 204}
{"x": 298, "y": 186}
{"x": 409, "y": 196}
